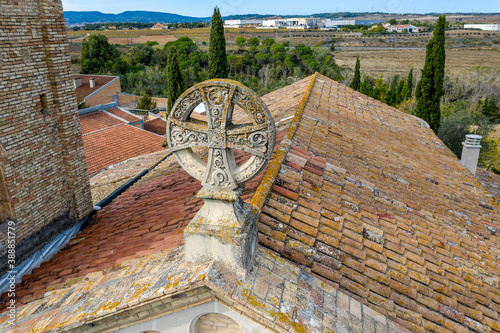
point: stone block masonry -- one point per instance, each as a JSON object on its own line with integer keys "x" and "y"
{"x": 44, "y": 177}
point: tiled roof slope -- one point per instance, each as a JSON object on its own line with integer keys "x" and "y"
{"x": 157, "y": 125}
{"x": 276, "y": 293}
{"x": 96, "y": 121}
{"x": 145, "y": 219}
{"x": 490, "y": 181}
{"x": 373, "y": 202}
{"x": 108, "y": 180}
{"x": 124, "y": 115}
{"x": 116, "y": 144}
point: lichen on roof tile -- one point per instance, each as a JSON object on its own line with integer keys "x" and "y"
{"x": 373, "y": 202}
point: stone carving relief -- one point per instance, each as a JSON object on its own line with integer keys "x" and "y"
{"x": 219, "y": 133}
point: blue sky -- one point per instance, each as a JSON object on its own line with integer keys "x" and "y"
{"x": 203, "y": 8}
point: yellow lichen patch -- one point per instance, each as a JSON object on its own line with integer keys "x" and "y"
{"x": 173, "y": 284}
{"x": 107, "y": 307}
{"x": 298, "y": 327}
{"x": 284, "y": 318}
{"x": 137, "y": 295}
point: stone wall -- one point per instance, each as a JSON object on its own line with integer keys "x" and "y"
{"x": 104, "y": 95}
{"x": 43, "y": 174}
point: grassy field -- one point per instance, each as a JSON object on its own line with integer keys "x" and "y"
{"x": 397, "y": 61}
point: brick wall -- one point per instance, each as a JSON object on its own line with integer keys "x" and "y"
{"x": 127, "y": 99}
{"x": 104, "y": 95}
{"x": 43, "y": 163}
{"x": 215, "y": 322}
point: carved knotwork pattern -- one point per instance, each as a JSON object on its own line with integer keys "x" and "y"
{"x": 182, "y": 137}
{"x": 219, "y": 134}
{"x": 188, "y": 101}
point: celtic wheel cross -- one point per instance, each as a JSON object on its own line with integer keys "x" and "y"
{"x": 220, "y": 134}
{"x": 225, "y": 227}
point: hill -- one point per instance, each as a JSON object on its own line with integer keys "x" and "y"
{"x": 78, "y": 17}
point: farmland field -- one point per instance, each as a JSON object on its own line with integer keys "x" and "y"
{"x": 397, "y": 61}
{"x": 373, "y": 61}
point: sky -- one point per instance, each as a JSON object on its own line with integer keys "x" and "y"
{"x": 204, "y": 8}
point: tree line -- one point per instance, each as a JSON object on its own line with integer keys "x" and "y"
{"x": 149, "y": 69}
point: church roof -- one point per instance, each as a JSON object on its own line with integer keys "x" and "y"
{"x": 363, "y": 210}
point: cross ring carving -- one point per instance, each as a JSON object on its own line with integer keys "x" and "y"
{"x": 220, "y": 134}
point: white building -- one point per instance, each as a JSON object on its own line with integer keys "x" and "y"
{"x": 304, "y": 23}
{"x": 402, "y": 28}
{"x": 242, "y": 23}
{"x": 337, "y": 23}
{"x": 488, "y": 27}
{"x": 274, "y": 23}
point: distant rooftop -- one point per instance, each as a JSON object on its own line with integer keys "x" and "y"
{"x": 157, "y": 125}
{"x": 116, "y": 144}
{"x": 96, "y": 121}
{"x": 85, "y": 90}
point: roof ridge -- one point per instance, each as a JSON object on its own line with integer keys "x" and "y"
{"x": 267, "y": 182}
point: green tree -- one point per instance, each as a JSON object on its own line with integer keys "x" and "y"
{"x": 491, "y": 110}
{"x": 146, "y": 103}
{"x": 408, "y": 87}
{"x": 430, "y": 87}
{"x": 356, "y": 80}
{"x": 254, "y": 41}
{"x": 97, "y": 55}
{"x": 241, "y": 41}
{"x": 366, "y": 87}
{"x": 268, "y": 42}
{"x": 174, "y": 86}
{"x": 217, "y": 58}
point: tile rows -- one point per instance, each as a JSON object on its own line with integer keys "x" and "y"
{"x": 373, "y": 202}
{"x": 117, "y": 144}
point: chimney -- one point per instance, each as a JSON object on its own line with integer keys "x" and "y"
{"x": 77, "y": 81}
{"x": 92, "y": 82}
{"x": 470, "y": 152}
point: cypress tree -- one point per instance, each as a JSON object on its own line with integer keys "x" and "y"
{"x": 174, "y": 79}
{"x": 217, "y": 58}
{"x": 430, "y": 87}
{"x": 356, "y": 80}
{"x": 408, "y": 87}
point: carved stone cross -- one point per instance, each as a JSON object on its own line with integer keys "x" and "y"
{"x": 219, "y": 134}
{"x": 225, "y": 228}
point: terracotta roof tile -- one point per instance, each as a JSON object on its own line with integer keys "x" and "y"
{"x": 157, "y": 125}
{"x": 490, "y": 181}
{"x": 149, "y": 216}
{"x": 124, "y": 115}
{"x": 84, "y": 90}
{"x": 116, "y": 144}
{"x": 145, "y": 219}
{"x": 96, "y": 121}
{"x": 373, "y": 202}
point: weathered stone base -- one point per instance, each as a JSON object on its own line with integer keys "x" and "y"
{"x": 224, "y": 231}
